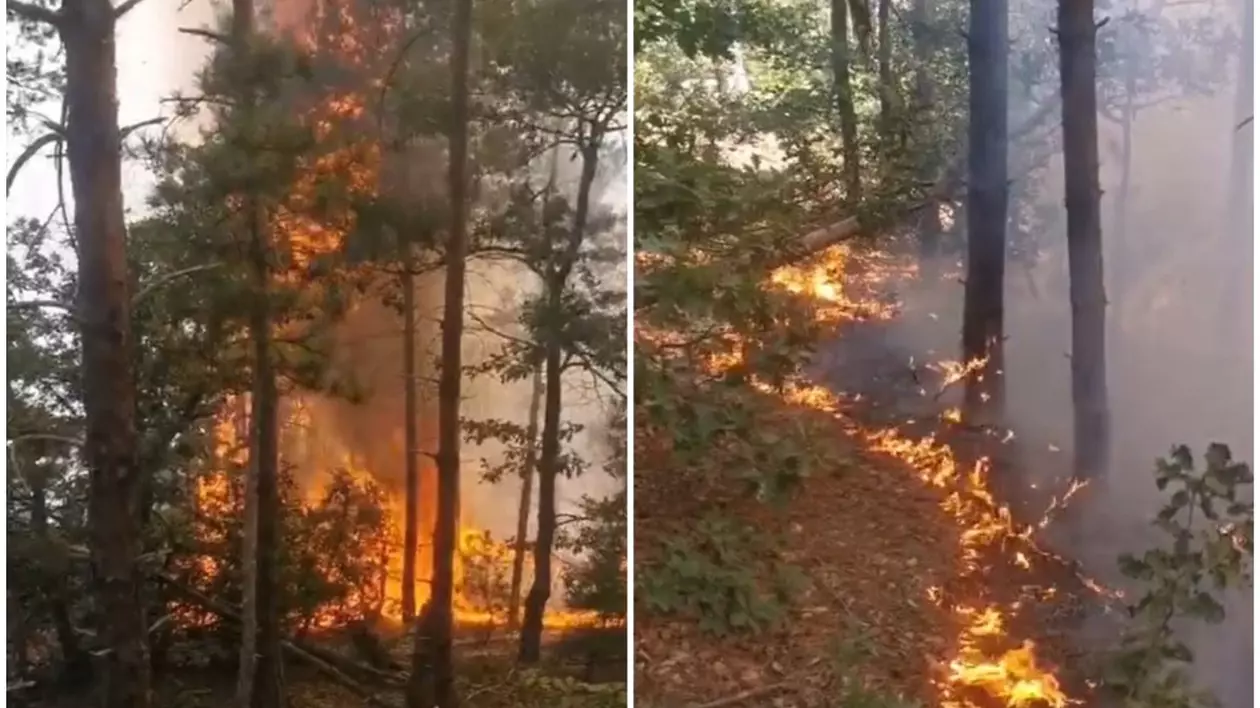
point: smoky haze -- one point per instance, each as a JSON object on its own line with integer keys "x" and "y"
{"x": 1179, "y": 315}
{"x": 156, "y": 61}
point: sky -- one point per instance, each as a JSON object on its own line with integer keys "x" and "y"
{"x": 154, "y": 61}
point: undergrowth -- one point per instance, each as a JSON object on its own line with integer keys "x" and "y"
{"x": 723, "y": 575}
{"x": 1208, "y": 525}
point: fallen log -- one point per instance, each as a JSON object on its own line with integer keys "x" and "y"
{"x": 320, "y": 665}
{"x": 946, "y": 187}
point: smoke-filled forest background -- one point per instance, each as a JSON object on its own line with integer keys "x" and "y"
{"x": 317, "y": 353}
{"x": 868, "y": 247}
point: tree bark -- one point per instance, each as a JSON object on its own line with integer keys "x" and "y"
{"x": 549, "y": 461}
{"x": 1236, "y": 308}
{"x": 984, "y": 389}
{"x": 436, "y": 629}
{"x": 411, "y": 520}
{"x": 925, "y": 96}
{"x": 111, "y": 449}
{"x": 886, "y": 89}
{"x": 527, "y": 487}
{"x": 1078, "y": 72}
{"x": 268, "y": 692}
{"x": 844, "y": 100}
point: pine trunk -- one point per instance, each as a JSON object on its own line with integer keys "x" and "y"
{"x": 1078, "y": 71}
{"x": 1236, "y": 307}
{"x": 886, "y": 87}
{"x": 411, "y": 520}
{"x": 103, "y": 308}
{"x": 844, "y": 100}
{"x": 437, "y": 628}
{"x": 925, "y": 97}
{"x": 984, "y": 390}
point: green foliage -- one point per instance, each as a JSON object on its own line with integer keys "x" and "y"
{"x": 597, "y": 581}
{"x": 1209, "y": 526}
{"x": 717, "y": 575}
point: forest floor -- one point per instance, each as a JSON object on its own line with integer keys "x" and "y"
{"x": 918, "y": 588}
{"x": 581, "y": 668}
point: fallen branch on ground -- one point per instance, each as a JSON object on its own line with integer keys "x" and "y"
{"x": 945, "y": 188}
{"x": 319, "y": 664}
{"x": 742, "y": 696}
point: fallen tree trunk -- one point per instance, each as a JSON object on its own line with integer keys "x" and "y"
{"x": 300, "y": 653}
{"x": 945, "y": 188}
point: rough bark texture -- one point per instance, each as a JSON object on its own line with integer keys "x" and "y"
{"x": 527, "y": 488}
{"x": 1078, "y": 70}
{"x": 986, "y": 211}
{"x": 103, "y": 307}
{"x": 440, "y": 620}
{"x": 844, "y": 100}
{"x": 549, "y": 460}
{"x": 411, "y": 434}
{"x": 264, "y": 416}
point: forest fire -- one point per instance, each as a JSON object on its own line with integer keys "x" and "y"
{"x": 986, "y": 658}
{"x": 353, "y": 548}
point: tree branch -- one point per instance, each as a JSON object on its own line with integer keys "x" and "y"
{"x": 148, "y": 289}
{"x": 124, "y": 8}
{"x": 206, "y": 34}
{"x": 54, "y": 304}
{"x": 35, "y": 13}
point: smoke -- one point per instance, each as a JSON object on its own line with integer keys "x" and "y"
{"x": 1180, "y": 324}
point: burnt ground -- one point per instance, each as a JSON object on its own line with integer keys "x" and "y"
{"x": 879, "y": 548}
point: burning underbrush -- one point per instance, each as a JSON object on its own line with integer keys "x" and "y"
{"x": 909, "y": 577}
{"x": 340, "y": 556}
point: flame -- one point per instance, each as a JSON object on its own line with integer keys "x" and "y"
{"x": 476, "y": 549}
{"x": 983, "y": 658}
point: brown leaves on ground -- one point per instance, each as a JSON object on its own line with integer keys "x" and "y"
{"x": 871, "y": 540}
{"x": 882, "y": 555}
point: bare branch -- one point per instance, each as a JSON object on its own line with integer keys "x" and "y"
{"x": 148, "y": 289}
{"x": 35, "y": 13}
{"x": 206, "y": 34}
{"x": 53, "y": 304}
{"x": 129, "y": 129}
{"x": 30, "y": 151}
{"x": 124, "y": 8}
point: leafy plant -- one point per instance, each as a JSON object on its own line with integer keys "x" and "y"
{"x": 716, "y": 577}
{"x": 1210, "y": 528}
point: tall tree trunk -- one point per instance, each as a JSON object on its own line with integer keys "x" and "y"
{"x": 246, "y": 677}
{"x": 435, "y": 627}
{"x": 411, "y": 520}
{"x": 1077, "y": 66}
{"x": 925, "y": 97}
{"x": 886, "y": 89}
{"x": 268, "y": 692}
{"x": 527, "y": 488}
{"x": 1236, "y": 309}
{"x": 111, "y": 449}
{"x": 549, "y": 461}
{"x": 984, "y": 390}
{"x": 1121, "y": 277}
{"x": 844, "y": 100}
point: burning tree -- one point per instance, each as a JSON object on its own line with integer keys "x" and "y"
{"x": 269, "y": 252}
